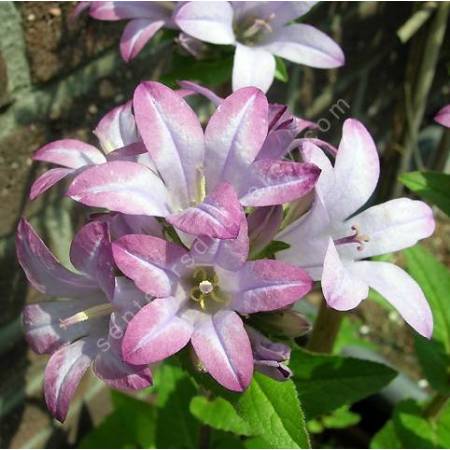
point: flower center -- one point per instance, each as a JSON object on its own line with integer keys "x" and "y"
{"x": 355, "y": 238}
{"x": 252, "y": 29}
{"x": 205, "y": 289}
{"x": 90, "y": 313}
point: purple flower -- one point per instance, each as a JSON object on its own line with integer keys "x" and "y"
{"x": 200, "y": 295}
{"x": 146, "y": 18}
{"x": 200, "y": 177}
{"x": 259, "y": 30}
{"x": 332, "y": 241}
{"x": 86, "y": 325}
{"x": 118, "y": 140}
{"x": 443, "y": 116}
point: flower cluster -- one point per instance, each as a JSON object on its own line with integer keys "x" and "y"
{"x": 259, "y": 31}
{"x": 179, "y": 254}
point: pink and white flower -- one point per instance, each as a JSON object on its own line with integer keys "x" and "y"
{"x": 333, "y": 241}
{"x": 85, "y": 326}
{"x": 200, "y": 296}
{"x": 259, "y": 30}
{"x": 443, "y": 116}
{"x": 118, "y": 139}
{"x": 201, "y": 176}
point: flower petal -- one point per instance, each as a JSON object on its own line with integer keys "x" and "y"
{"x": 223, "y": 347}
{"x": 266, "y": 285}
{"x": 136, "y": 34}
{"x": 342, "y": 290}
{"x": 156, "y": 332}
{"x": 43, "y": 270}
{"x": 122, "y": 186}
{"x": 356, "y": 170}
{"x": 390, "y": 226}
{"x": 234, "y": 135}
{"x": 47, "y": 180}
{"x": 117, "y": 128}
{"x": 122, "y": 224}
{"x": 218, "y": 216}
{"x": 253, "y": 66}
{"x": 174, "y": 137}
{"x": 63, "y": 373}
{"x": 42, "y": 323}
{"x": 305, "y": 44}
{"x": 226, "y": 253}
{"x": 149, "y": 261}
{"x": 400, "y": 290}
{"x": 263, "y": 224}
{"x": 194, "y": 88}
{"x": 443, "y": 116}
{"x": 208, "y": 21}
{"x": 276, "y": 144}
{"x": 70, "y": 153}
{"x": 91, "y": 253}
{"x": 117, "y": 10}
{"x": 276, "y": 182}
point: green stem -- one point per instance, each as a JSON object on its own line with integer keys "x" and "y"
{"x": 435, "y": 406}
{"x": 325, "y": 330}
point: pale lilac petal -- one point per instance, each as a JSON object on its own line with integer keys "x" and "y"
{"x": 276, "y": 145}
{"x": 264, "y": 349}
{"x": 389, "y": 227}
{"x": 70, "y": 153}
{"x": 109, "y": 366}
{"x": 253, "y": 66}
{"x": 47, "y": 180}
{"x": 342, "y": 290}
{"x": 174, "y": 137}
{"x": 443, "y": 116}
{"x": 266, "y": 285}
{"x": 122, "y": 186}
{"x": 91, "y": 253}
{"x": 130, "y": 10}
{"x": 234, "y": 135}
{"x": 263, "y": 224}
{"x": 208, "y": 21}
{"x": 117, "y": 128}
{"x": 273, "y": 369}
{"x": 356, "y": 170}
{"x": 43, "y": 270}
{"x": 149, "y": 262}
{"x": 223, "y": 347}
{"x": 42, "y": 323}
{"x": 308, "y": 240}
{"x": 194, "y": 88}
{"x": 156, "y": 332}
{"x": 135, "y": 35}
{"x": 128, "y": 299}
{"x": 399, "y": 289}
{"x": 275, "y": 13}
{"x": 63, "y": 374}
{"x": 272, "y": 182}
{"x": 229, "y": 254}
{"x": 122, "y": 224}
{"x": 305, "y": 44}
{"x": 218, "y": 216}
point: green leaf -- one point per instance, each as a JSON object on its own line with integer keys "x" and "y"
{"x": 281, "y": 72}
{"x": 132, "y": 424}
{"x": 434, "y": 279}
{"x": 220, "y": 414}
{"x": 273, "y": 411}
{"x": 341, "y": 418}
{"x": 432, "y": 186}
{"x": 326, "y": 382}
{"x": 271, "y": 249}
{"x": 176, "y": 427}
{"x": 386, "y": 437}
{"x": 165, "y": 379}
{"x": 222, "y": 439}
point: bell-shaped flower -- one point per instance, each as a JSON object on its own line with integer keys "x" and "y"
{"x": 443, "y": 116}
{"x": 145, "y": 20}
{"x": 118, "y": 139}
{"x": 334, "y": 240}
{"x": 86, "y": 325}
{"x": 192, "y": 164}
{"x": 259, "y": 31}
{"x": 201, "y": 295}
